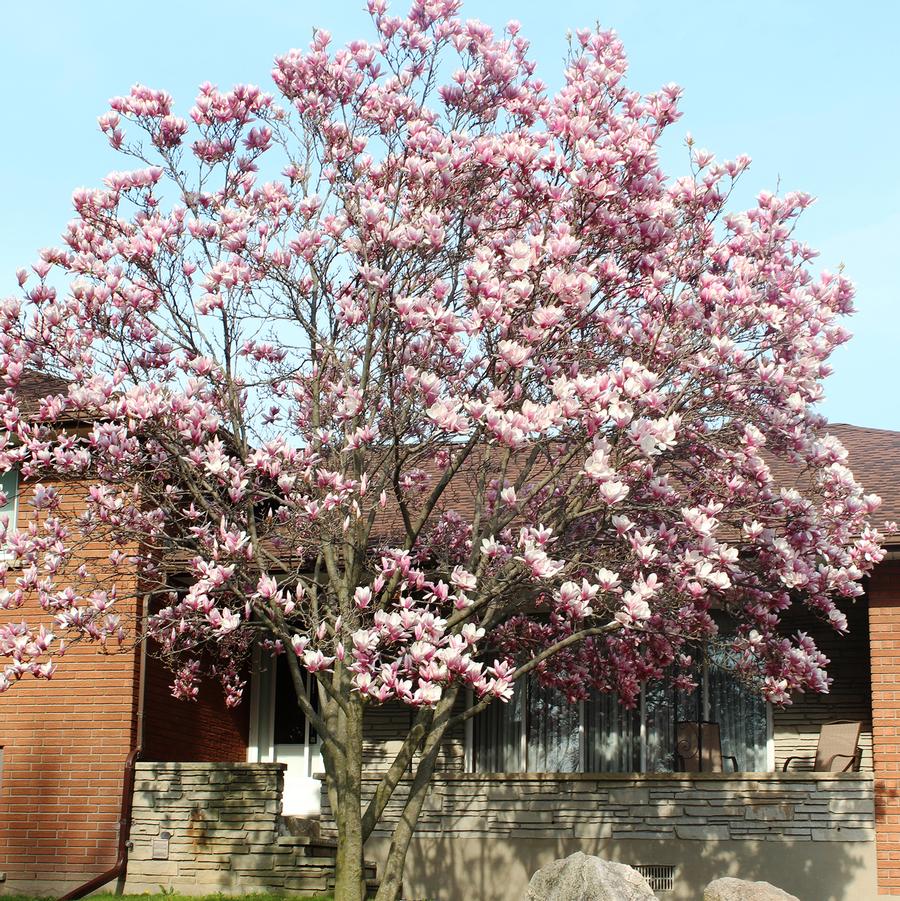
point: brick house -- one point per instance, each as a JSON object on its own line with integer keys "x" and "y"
{"x": 228, "y": 800}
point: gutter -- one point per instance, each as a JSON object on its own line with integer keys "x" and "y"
{"x": 119, "y": 868}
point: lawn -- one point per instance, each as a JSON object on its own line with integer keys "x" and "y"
{"x": 172, "y": 896}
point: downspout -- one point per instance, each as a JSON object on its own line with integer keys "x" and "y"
{"x": 118, "y": 869}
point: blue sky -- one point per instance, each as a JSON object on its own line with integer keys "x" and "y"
{"x": 808, "y": 89}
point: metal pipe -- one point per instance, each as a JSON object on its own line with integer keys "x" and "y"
{"x": 118, "y": 868}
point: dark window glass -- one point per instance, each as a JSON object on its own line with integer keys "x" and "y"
{"x": 290, "y": 721}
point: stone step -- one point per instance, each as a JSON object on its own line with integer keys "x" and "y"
{"x": 317, "y": 847}
{"x": 292, "y": 825}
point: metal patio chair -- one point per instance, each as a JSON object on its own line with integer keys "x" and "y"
{"x": 838, "y": 749}
{"x": 698, "y": 747}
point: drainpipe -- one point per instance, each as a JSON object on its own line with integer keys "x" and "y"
{"x": 118, "y": 869}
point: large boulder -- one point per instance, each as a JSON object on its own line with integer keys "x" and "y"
{"x": 730, "y": 889}
{"x": 581, "y": 877}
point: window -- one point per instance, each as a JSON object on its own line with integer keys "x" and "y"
{"x": 291, "y": 726}
{"x": 540, "y": 731}
{"x": 9, "y": 485}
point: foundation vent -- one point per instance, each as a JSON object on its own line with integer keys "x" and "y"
{"x": 661, "y": 877}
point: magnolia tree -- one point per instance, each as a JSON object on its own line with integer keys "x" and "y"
{"x": 425, "y": 378}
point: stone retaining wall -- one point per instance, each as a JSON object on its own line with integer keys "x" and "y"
{"x": 205, "y": 827}
{"x": 200, "y": 828}
{"x": 807, "y": 807}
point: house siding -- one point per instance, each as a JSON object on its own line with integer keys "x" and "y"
{"x": 386, "y": 725}
{"x": 796, "y": 727}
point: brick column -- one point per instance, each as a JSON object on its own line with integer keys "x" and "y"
{"x": 884, "y": 631}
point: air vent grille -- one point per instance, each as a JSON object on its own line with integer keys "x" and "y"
{"x": 661, "y": 877}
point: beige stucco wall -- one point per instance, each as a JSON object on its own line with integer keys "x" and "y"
{"x": 465, "y": 869}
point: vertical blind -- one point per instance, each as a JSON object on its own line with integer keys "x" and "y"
{"x": 743, "y": 720}
{"x": 612, "y": 736}
{"x": 497, "y": 740}
{"x": 553, "y": 743}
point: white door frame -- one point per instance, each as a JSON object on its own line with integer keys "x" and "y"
{"x": 302, "y": 791}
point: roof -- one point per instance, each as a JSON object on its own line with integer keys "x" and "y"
{"x": 34, "y": 386}
{"x": 874, "y": 457}
{"x": 874, "y": 454}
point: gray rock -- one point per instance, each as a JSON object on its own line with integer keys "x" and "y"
{"x": 581, "y": 877}
{"x": 730, "y": 889}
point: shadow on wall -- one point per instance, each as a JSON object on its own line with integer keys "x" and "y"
{"x": 886, "y": 800}
{"x": 459, "y": 869}
{"x": 41, "y": 856}
{"x": 199, "y": 828}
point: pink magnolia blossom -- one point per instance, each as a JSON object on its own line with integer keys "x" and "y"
{"x": 395, "y": 374}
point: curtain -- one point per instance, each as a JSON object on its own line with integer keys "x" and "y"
{"x": 661, "y": 709}
{"x": 497, "y": 735}
{"x": 612, "y": 736}
{"x": 554, "y": 731}
{"x": 741, "y": 713}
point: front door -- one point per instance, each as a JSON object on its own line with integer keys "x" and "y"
{"x": 283, "y": 734}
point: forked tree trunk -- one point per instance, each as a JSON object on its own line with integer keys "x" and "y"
{"x": 391, "y": 881}
{"x": 343, "y": 766}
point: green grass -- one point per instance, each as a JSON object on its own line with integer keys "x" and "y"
{"x": 173, "y": 896}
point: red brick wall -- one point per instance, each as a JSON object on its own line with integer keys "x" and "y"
{"x": 65, "y": 743}
{"x": 201, "y": 730}
{"x": 884, "y": 625}
{"x": 64, "y": 747}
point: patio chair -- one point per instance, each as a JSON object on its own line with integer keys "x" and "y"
{"x": 838, "y": 749}
{"x": 698, "y": 747}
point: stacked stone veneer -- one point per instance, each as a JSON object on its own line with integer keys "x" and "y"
{"x": 205, "y": 827}
{"x": 814, "y": 807}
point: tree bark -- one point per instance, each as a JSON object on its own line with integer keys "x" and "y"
{"x": 350, "y": 882}
{"x": 391, "y": 881}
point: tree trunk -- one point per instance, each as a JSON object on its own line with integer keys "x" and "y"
{"x": 350, "y": 882}
{"x": 391, "y": 881}
{"x": 347, "y": 775}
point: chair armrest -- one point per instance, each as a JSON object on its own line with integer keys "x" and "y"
{"x": 851, "y": 759}
{"x": 796, "y": 757}
{"x": 732, "y": 759}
